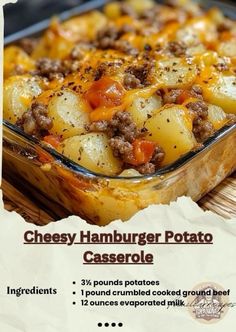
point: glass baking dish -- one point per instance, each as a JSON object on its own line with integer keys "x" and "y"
{"x": 100, "y": 199}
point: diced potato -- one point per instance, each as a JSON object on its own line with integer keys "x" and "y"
{"x": 188, "y": 35}
{"x": 216, "y": 116}
{"x": 130, "y": 172}
{"x": 142, "y": 108}
{"x": 93, "y": 152}
{"x": 15, "y": 56}
{"x": 198, "y": 29}
{"x": 227, "y": 48}
{"x": 53, "y": 45}
{"x": 175, "y": 73}
{"x": 112, "y": 10}
{"x": 216, "y": 15}
{"x": 84, "y": 26}
{"x": 60, "y": 38}
{"x": 171, "y": 128}
{"x": 195, "y": 50}
{"x": 140, "y": 5}
{"x": 69, "y": 114}
{"x": 18, "y": 93}
{"x": 221, "y": 91}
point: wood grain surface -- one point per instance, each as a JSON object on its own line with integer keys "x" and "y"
{"x": 221, "y": 200}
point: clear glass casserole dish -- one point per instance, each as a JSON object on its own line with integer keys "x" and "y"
{"x": 101, "y": 199}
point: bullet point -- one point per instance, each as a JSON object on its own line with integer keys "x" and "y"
{"x": 74, "y": 303}
{"x": 73, "y": 282}
{"x": 74, "y": 293}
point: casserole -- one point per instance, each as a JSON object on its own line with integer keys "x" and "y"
{"x": 100, "y": 198}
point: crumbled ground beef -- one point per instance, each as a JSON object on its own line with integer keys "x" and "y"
{"x": 78, "y": 52}
{"x": 196, "y": 90}
{"x": 231, "y": 118}
{"x": 202, "y": 130}
{"x": 108, "y": 68}
{"x": 226, "y": 25}
{"x": 71, "y": 66}
{"x": 199, "y": 109}
{"x": 54, "y": 68}
{"x": 36, "y": 121}
{"x": 158, "y": 156}
{"x": 28, "y": 44}
{"x": 177, "y": 48}
{"x": 108, "y": 37}
{"x": 222, "y": 66}
{"x": 98, "y": 126}
{"x": 100, "y": 71}
{"x": 131, "y": 82}
{"x": 171, "y": 96}
{"x": 122, "y": 125}
{"x": 121, "y": 148}
{"x": 141, "y": 72}
{"x": 49, "y": 68}
{"x": 126, "y": 9}
{"x": 150, "y": 15}
{"x": 125, "y": 47}
{"x": 148, "y": 168}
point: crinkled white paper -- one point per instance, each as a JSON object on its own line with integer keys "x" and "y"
{"x": 57, "y": 266}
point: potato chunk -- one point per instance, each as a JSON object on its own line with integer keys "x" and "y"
{"x": 69, "y": 114}
{"x": 197, "y": 29}
{"x": 93, "y": 152}
{"x": 221, "y": 91}
{"x": 60, "y": 38}
{"x": 216, "y": 116}
{"x": 175, "y": 73}
{"x": 129, "y": 172}
{"x": 84, "y": 26}
{"x": 227, "y": 48}
{"x": 17, "y": 96}
{"x": 140, "y": 6}
{"x": 171, "y": 128}
{"x": 14, "y": 56}
{"x": 142, "y": 108}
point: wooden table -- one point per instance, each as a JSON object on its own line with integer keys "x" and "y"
{"x": 221, "y": 200}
